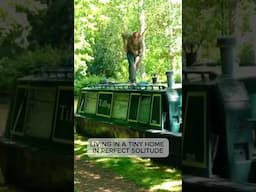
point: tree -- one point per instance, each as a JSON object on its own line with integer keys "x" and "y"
{"x": 142, "y": 30}
{"x": 98, "y": 43}
{"x": 214, "y": 19}
{"x": 24, "y": 44}
{"x": 175, "y": 28}
{"x": 201, "y": 25}
{"x": 15, "y": 26}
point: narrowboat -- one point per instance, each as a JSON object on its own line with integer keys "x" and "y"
{"x": 36, "y": 151}
{"x": 219, "y": 127}
{"x": 132, "y": 111}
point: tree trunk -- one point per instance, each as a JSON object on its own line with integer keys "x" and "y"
{"x": 142, "y": 30}
{"x": 248, "y": 36}
{"x": 238, "y": 34}
{"x": 253, "y": 27}
{"x": 171, "y": 36}
{"x": 173, "y": 47}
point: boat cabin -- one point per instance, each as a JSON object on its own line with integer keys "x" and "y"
{"x": 219, "y": 123}
{"x": 134, "y": 108}
{"x": 43, "y": 109}
{"x": 39, "y": 132}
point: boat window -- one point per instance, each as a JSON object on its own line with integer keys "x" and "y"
{"x": 104, "y": 104}
{"x": 144, "y": 110}
{"x": 81, "y": 101}
{"x": 133, "y": 108}
{"x": 120, "y": 105}
{"x": 88, "y": 102}
{"x": 19, "y": 110}
{"x": 40, "y": 108}
{"x": 195, "y": 125}
{"x": 254, "y": 139}
{"x": 63, "y": 129}
{"x": 156, "y": 111}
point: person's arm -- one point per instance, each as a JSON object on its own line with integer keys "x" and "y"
{"x": 139, "y": 56}
{"x": 125, "y": 37}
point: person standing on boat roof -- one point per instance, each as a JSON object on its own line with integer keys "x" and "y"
{"x": 133, "y": 48}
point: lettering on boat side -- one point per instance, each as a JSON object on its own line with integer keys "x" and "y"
{"x": 104, "y": 103}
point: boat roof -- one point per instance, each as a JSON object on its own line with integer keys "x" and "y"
{"x": 63, "y": 74}
{"x": 130, "y": 87}
{"x": 241, "y": 72}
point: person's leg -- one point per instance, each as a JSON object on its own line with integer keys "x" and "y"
{"x": 137, "y": 62}
{"x": 132, "y": 67}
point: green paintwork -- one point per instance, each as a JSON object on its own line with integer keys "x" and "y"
{"x": 170, "y": 104}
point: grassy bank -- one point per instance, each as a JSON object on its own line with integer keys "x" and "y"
{"x": 142, "y": 172}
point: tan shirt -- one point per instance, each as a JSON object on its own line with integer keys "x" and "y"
{"x": 130, "y": 45}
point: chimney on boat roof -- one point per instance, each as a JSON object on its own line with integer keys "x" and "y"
{"x": 169, "y": 75}
{"x": 226, "y": 45}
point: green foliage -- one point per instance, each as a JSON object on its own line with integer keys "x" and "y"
{"x": 55, "y": 26}
{"x": 207, "y": 25}
{"x": 142, "y": 172}
{"x": 83, "y": 38}
{"x": 178, "y": 78}
{"x": 33, "y": 36}
{"x": 23, "y": 64}
{"x": 246, "y": 55}
{"x": 107, "y": 55}
{"x": 99, "y": 46}
{"x": 15, "y": 26}
{"x": 205, "y": 21}
{"x": 86, "y": 81}
{"x": 148, "y": 176}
